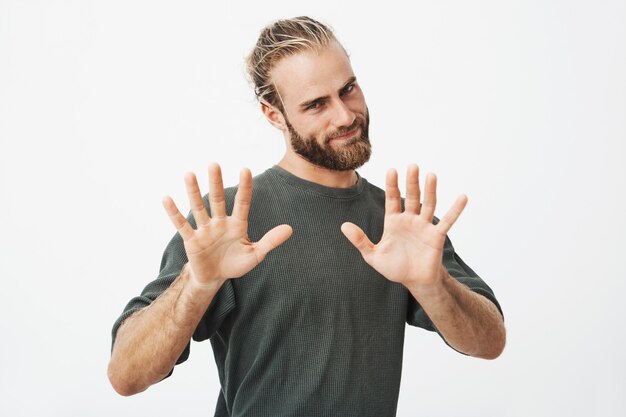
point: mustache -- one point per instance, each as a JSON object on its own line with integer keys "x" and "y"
{"x": 358, "y": 122}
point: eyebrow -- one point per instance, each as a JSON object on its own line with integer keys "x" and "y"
{"x": 307, "y": 103}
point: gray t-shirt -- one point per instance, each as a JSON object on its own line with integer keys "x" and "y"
{"x": 313, "y": 330}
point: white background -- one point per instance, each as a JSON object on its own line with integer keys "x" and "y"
{"x": 104, "y": 105}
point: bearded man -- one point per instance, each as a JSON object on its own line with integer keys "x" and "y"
{"x": 305, "y": 314}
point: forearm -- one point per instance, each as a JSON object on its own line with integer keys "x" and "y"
{"x": 150, "y": 341}
{"x": 468, "y": 321}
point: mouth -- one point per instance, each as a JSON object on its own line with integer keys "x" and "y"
{"x": 348, "y": 135}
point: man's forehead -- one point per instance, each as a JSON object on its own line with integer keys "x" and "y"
{"x": 312, "y": 73}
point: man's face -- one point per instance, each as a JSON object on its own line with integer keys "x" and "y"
{"x": 353, "y": 153}
{"x": 324, "y": 109}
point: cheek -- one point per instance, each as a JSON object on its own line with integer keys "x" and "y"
{"x": 317, "y": 128}
{"x": 358, "y": 104}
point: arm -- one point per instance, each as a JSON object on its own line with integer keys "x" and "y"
{"x": 150, "y": 341}
{"x": 410, "y": 252}
{"x": 468, "y": 321}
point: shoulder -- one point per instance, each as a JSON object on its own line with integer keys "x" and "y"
{"x": 373, "y": 190}
{"x": 373, "y": 193}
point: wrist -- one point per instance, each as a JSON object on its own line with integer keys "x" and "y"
{"x": 434, "y": 289}
{"x": 205, "y": 285}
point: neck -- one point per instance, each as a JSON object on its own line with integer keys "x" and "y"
{"x": 310, "y": 172}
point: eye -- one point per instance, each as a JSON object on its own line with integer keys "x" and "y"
{"x": 348, "y": 89}
{"x": 314, "y": 106}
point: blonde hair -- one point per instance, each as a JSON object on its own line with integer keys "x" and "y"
{"x": 280, "y": 39}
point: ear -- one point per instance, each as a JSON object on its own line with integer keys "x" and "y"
{"x": 274, "y": 116}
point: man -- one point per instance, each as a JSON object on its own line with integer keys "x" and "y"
{"x": 305, "y": 314}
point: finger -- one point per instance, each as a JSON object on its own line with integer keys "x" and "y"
{"x": 358, "y": 238}
{"x": 243, "y": 196}
{"x": 446, "y": 222}
{"x": 412, "y": 200}
{"x": 178, "y": 220}
{"x": 393, "y": 203}
{"x": 430, "y": 197}
{"x": 216, "y": 192}
{"x": 198, "y": 208}
{"x": 271, "y": 240}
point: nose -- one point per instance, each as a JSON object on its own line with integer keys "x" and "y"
{"x": 342, "y": 115}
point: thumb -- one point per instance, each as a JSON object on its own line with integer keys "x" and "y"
{"x": 272, "y": 239}
{"x": 358, "y": 238}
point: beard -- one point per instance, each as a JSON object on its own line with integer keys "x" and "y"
{"x": 351, "y": 155}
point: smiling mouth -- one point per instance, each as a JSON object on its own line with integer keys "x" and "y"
{"x": 347, "y": 135}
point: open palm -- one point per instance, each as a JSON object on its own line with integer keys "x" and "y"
{"x": 219, "y": 248}
{"x": 411, "y": 248}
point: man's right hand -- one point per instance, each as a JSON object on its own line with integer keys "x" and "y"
{"x": 150, "y": 341}
{"x": 219, "y": 248}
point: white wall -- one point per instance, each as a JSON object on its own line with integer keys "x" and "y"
{"x": 104, "y": 105}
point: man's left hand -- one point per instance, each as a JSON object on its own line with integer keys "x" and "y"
{"x": 411, "y": 248}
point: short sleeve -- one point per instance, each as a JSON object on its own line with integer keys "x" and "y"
{"x": 416, "y": 316}
{"x": 172, "y": 262}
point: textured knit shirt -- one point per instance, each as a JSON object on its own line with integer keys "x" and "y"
{"x": 312, "y": 330}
